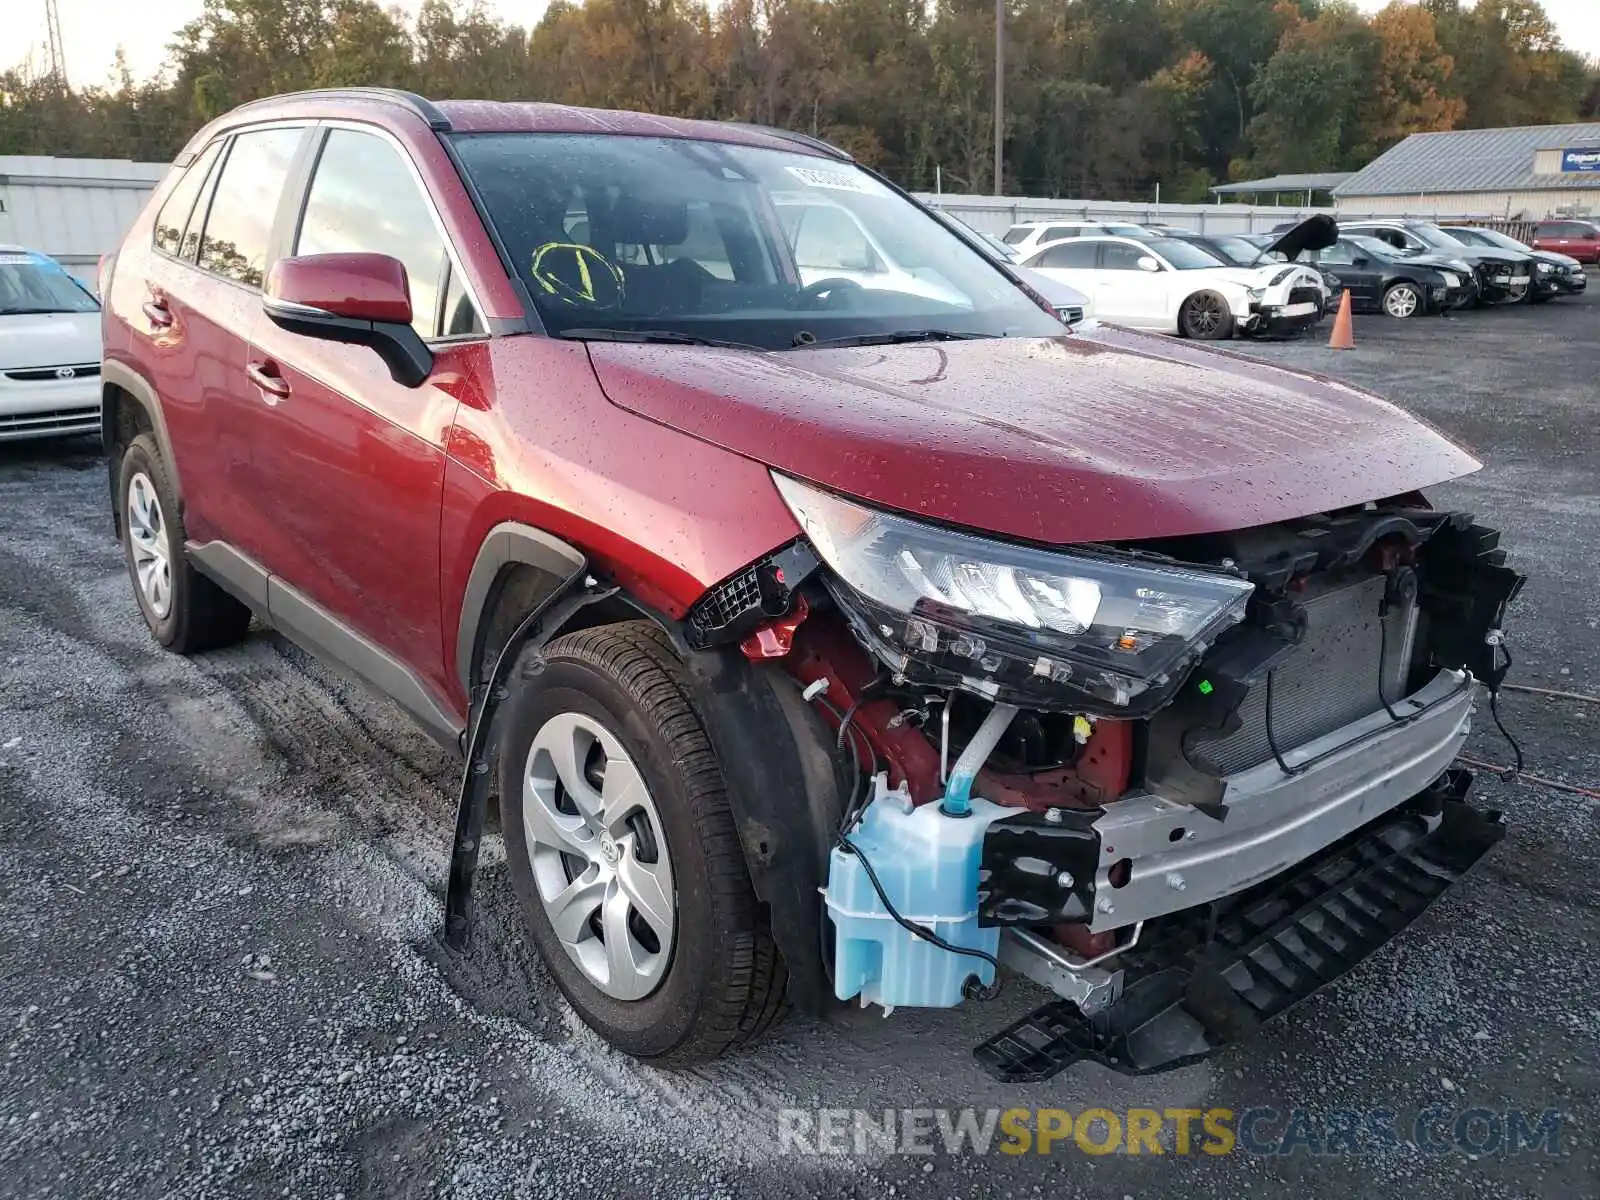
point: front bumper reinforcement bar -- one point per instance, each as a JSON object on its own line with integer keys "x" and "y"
{"x": 1217, "y": 972}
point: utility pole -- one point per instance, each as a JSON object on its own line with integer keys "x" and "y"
{"x": 58, "y": 58}
{"x": 999, "y": 95}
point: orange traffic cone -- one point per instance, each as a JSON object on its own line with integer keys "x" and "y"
{"x": 1344, "y": 337}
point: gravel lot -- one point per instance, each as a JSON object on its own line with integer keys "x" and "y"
{"x": 219, "y": 972}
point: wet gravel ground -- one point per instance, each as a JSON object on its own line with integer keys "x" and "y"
{"x": 221, "y": 877}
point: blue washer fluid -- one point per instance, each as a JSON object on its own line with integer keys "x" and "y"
{"x": 928, "y": 865}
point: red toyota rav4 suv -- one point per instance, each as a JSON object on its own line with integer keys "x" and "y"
{"x": 825, "y": 620}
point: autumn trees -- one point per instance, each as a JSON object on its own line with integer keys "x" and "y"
{"x": 1104, "y": 98}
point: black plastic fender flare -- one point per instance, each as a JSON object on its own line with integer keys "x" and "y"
{"x": 114, "y": 374}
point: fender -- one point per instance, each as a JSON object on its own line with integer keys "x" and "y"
{"x": 120, "y": 376}
{"x": 510, "y": 543}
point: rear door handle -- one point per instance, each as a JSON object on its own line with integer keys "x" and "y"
{"x": 156, "y": 312}
{"x": 265, "y": 376}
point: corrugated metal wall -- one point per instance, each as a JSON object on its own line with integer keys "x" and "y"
{"x": 1532, "y": 205}
{"x": 73, "y": 209}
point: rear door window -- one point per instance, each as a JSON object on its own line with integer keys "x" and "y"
{"x": 174, "y": 216}
{"x": 1057, "y": 232}
{"x": 364, "y": 199}
{"x": 238, "y": 228}
{"x": 1114, "y": 256}
{"x": 1077, "y": 253}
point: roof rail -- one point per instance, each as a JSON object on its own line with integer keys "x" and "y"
{"x": 800, "y": 139}
{"x": 421, "y": 105}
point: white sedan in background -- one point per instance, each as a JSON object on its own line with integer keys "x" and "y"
{"x": 1171, "y": 286}
{"x": 49, "y": 349}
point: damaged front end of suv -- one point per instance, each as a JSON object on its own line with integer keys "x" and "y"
{"x": 1180, "y": 783}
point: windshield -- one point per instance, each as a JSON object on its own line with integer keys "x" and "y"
{"x": 614, "y": 234}
{"x": 1236, "y": 250}
{"x": 1487, "y": 237}
{"x": 1435, "y": 237}
{"x": 29, "y": 284}
{"x": 1376, "y": 247}
{"x": 1185, "y": 256}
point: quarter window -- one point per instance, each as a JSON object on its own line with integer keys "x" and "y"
{"x": 174, "y": 215}
{"x": 364, "y": 199}
{"x": 238, "y": 227}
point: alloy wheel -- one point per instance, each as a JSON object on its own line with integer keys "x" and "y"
{"x": 1401, "y": 302}
{"x": 152, "y": 555}
{"x": 1204, "y": 316}
{"x": 599, "y": 857}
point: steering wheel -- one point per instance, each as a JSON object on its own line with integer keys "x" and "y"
{"x": 821, "y": 293}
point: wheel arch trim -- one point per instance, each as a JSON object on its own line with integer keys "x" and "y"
{"x": 510, "y": 543}
{"x": 117, "y": 380}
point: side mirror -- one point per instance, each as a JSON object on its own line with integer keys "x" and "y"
{"x": 361, "y": 299}
{"x": 1146, "y": 263}
{"x": 1360, "y": 260}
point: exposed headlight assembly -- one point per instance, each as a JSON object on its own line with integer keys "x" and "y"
{"x": 1087, "y": 631}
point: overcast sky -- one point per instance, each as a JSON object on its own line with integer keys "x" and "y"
{"x": 93, "y": 29}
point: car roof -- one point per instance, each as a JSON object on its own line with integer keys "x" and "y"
{"x": 504, "y": 116}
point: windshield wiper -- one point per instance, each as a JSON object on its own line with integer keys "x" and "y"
{"x": 891, "y": 339}
{"x": 33, "y": 312}
{"x": 667, "y": 337}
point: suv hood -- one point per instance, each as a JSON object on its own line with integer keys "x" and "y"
{"x": 65, "y": 339}
{"x": 1104, "y": 437}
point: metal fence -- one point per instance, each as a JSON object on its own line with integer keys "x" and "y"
{"x": 996, "y": 214}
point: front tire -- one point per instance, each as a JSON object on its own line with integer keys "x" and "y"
{"x": 1206, "y": 317}
{"x": 624, "y": 853}
{"x": 1403, "y": 301}
{"x": 185, "y": 611}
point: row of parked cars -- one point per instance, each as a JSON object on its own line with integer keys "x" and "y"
{"x": 1213, "y": 286}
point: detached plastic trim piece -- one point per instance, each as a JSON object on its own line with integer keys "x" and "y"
{"x": 1198, "y": 990}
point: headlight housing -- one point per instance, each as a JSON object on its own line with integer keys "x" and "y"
{"x": 1096, "y": 631}
{"x": 1545, "y": 268}
{"x": 1451, "y": 278}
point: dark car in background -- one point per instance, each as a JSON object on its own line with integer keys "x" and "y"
{"x": 1382, "y": 279}
{"x": 1554, "y": 274}
{"x": 1504, "y": 276}
{"x": 1580, "y": 239}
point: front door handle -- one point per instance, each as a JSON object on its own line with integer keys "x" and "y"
{"x": 265, "y": 376}
{"x": 156, "y": 312}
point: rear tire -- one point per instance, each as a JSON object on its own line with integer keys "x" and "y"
{"x": 1206, "y": 317}
{"x": 1403, "y": 301}
{"x": 618, "y": 696}
{"x": 186, "y": 612}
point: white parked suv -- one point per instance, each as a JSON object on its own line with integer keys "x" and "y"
{"x": 49, "y": 349}
{"x": 1030, "y": 235}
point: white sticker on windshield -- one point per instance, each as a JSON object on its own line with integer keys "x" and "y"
{"x": 17, "y": 260}
{"x": 838, "y": 181}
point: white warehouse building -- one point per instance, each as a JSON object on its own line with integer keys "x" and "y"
{"x": 73, "y": 209}
{"x": 1528, "y": 173}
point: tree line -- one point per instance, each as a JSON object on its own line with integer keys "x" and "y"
{"x": 1103, "y": 98}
